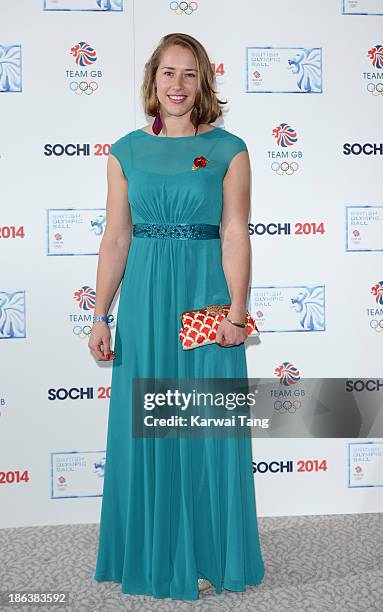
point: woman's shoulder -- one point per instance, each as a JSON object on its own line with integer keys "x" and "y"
{"x": 125, "y": 141}
{"x": 123, "y": 138}
{"x": 231, "y": 143}
{"x": 122, "y": 144}
{"x": 231, "y": 137}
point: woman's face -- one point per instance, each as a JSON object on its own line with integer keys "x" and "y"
{"x": 177, "y": 75}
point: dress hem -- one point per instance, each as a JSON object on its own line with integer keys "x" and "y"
{"x": 185, "y": 596}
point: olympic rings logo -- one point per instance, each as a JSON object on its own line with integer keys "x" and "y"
{"x": 187, "y": 8}
{"x": 82, "y": 331}
{"x": 284, "y": 167}
{"x": 287, "y": 406}
{"x": 83, "y": 87}
{"x": 376, "y": 90}
{"x": 377, "y": 325}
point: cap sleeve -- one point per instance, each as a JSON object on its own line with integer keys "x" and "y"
{"x": 121, "y": 150}
{"x": 234, "y": 146}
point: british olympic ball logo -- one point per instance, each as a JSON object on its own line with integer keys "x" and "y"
{"x": 284, "y": 70}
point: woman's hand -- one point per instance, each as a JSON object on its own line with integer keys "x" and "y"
{"x": 100, "y": 337}
{"x": 229, "y": 334}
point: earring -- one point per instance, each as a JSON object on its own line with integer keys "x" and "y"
{"x": 199, "y": 115}
{"x": 157, "y": 123}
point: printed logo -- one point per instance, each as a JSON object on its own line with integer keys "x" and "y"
{"x": 10, "y": 68}
{"x": 287, "y": 373}
{"x": 86, "y": 299}
{"x": 82, "y": 80}
{"x": 77, "y": 474}
{"x": 376, "y": 56}
{"x": 288, "y": 309}
{"x": 377, "y": 291}
{"x": 365, "y": 464}
{"x": 375, "y": 83}
{"x": 83, "y": 54}
{"x": 364, "y": 227}
{"x": 12, "y": 314}
{"x": 283, "y": 70}
{"x": 376, "y": 314}
{"x": 75, "y": 231}
{"x": 183, "y": 8}
{"x": 285, "y": 137}
{"x": 82, "y": 322}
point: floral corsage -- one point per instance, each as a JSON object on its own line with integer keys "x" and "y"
{"x": 199, "y": 162}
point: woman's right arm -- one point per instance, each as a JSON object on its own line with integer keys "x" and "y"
{"x": 113, "y": 253}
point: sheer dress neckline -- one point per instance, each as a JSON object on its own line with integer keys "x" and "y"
{"x": 177, "y": 137}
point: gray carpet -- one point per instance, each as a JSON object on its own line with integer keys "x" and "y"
{"x": 313, "y": 564}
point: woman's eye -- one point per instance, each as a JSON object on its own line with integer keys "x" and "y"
{"x": 189, "y": 75}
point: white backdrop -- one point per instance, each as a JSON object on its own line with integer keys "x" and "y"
{"x": 299, "y": 69}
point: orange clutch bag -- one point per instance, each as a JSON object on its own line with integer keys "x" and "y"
{"x": 199, "y": 326}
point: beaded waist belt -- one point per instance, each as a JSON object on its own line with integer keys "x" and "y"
{"x": 179, "y": 231}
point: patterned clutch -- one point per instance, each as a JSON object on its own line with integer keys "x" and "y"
{"x": 199, "y": 326}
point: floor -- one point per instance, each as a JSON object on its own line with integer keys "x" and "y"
{"x": 313, "y": 564}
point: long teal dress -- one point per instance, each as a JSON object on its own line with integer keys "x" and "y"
{"x": 174, "y": 510}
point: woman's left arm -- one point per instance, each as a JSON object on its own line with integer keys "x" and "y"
{"x": 236, "y": 249}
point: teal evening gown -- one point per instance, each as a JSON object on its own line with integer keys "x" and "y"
{"x": 174, "y": 510}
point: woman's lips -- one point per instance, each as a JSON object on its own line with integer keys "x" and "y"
{"x": 175, "y": 101}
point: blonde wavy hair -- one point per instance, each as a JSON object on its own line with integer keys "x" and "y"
{"x": 206, "y": 105}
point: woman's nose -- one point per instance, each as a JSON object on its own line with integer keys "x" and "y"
{"x": 179, "y": 80}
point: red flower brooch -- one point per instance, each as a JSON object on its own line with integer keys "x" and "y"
{"x": 199, "y": 162}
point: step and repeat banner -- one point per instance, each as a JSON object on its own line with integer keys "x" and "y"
{"x": 310, "y": 114}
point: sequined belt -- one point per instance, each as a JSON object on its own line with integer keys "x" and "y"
{"x": 179, "y": 231}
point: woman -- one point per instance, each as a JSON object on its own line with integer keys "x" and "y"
{"x": 178, "y": 515}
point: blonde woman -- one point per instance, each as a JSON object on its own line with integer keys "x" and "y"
{"x": 178, "y": 515}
